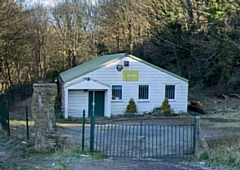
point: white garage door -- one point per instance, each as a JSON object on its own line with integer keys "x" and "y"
{"x": 77, "y": 102}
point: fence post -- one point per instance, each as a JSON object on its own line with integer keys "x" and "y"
{"x": 196, "y": 135}
{"x": 27, "y": 122}
{"x": 141, "y": 137}
{"x": 83, "y": 130}
{"x": 92, "y": 134}
{"x": 8, "y": 120}
{"x": 2, "y": 114}
{"x": 200, "y": 138}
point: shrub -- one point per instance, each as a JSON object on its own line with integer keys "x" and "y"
{"x": 131, "y": 107}
{"x": 54, "y": 74}
{"x": 165, "y": 109}
{"x": 234, "y": 83}
{"x": 155, "y": 111}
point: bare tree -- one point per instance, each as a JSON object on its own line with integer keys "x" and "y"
{"x": 71, "y": 23}
{"x": 121, "y": 25}
{"x": 13, "y": 40}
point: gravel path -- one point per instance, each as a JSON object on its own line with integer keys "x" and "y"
{"x": 131, "y": 164}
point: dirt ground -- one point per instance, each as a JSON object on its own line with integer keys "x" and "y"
{"x": 18, "y": 155}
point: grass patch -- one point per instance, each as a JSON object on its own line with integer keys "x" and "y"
{"x": 21, "y": 123}
{"x": 224, "y": 141}
{"x": 224, "y": 150}
{"x": 227, "y": 125}
{"x": 226, "y": 155}
{"x": 61, "y": 119}
{"x": 24, "y": 156}
{"x": 98, "y": 156}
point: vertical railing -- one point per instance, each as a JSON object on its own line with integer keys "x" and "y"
{"x": 20, "y": 92}
{"x": 8, "y": 120}
{"x": 83, "y": 130}
{"x": 92, "y": 131}
{"x": 4, "y": 115}
{"x": 27, "y": 127}
{"x": 143, "y": 140}
{"x": 195, "y": 132}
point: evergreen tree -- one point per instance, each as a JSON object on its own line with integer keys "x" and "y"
{"x": 131, "y": 107}
{"x": 165, "y": 109}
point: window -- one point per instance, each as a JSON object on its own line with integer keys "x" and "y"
{"x": 170, "y": 91}
{"x": 143, "y": 92}
{"x": 116, "y": 92}
{"x": 126, "y": 63}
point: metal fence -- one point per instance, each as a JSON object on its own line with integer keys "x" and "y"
{"x": 8, "y": 98}
{"x": 15, "y": 94}
{"x": 143, "y": 139}
{"x": 20, "y": 125}
{"x": 4, "y": 118}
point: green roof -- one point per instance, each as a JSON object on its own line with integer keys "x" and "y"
{"x": 101, "y": 61}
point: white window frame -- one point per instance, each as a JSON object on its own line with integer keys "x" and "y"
{"x": 118, "y": 94}
{"x": 170, "y": 90}
{"x": 144, "y": 91}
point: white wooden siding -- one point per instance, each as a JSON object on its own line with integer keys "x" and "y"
{"x": 77, "y": 102}
{"x": 91, "y": 84}
{"x": 148, "y": 75}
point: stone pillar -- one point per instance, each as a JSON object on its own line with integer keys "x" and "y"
{"x": 42, "y": 109}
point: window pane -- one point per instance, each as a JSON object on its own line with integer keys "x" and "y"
{"x": 143, "y": 92}
{"x": 170, "y": 91}
{"x": 116, "y": 92}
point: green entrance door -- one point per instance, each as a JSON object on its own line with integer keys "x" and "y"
{"x": 98, "y": 97}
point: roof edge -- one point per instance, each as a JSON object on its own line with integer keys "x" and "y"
{"x": 122, "y": 55}
{"x": 158, "y": 68}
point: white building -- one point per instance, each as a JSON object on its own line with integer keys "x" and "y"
{"x": 111, "y": 80}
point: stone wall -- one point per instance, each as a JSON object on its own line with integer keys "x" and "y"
{"x": 42, "y": 109}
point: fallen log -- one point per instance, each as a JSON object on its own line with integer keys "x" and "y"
{"x": 196, "y": 104}
{"x": 197, "y": 109}
{"x": 235, "y": 96}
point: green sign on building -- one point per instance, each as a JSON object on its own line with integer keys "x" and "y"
{"x": 130, "y": 75}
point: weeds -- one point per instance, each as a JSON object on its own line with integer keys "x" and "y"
{"x": 63, "y": 165}
{"x": 98, "y": 156}
{"x": 224, "y": 150}
{"x": 61, "y": 119}
{"x": 224, "y": 141}
{"x": 227, "y": 155}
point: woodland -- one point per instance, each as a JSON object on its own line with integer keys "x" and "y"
{"x": 196, "y": 39}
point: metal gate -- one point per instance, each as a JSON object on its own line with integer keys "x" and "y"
{"x": 4, "y": 118}
{"x": 144, "y": 139}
